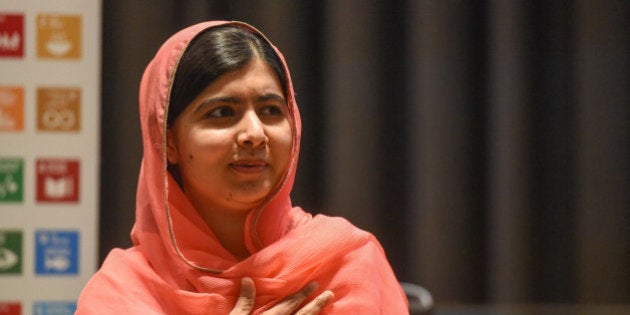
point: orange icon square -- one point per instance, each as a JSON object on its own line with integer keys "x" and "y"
{"x": 58, "y": 36}
{"x": 58, "y": 109}
{"x": 11, "y": 108}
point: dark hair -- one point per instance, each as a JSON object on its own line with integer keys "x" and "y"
{"x": 213, "y": 53}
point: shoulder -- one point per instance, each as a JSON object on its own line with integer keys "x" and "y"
{"x": 123, "y": 266}
{"x": 357, "y": 262}
{"x": 120, "y": 284}
{"x": 337, "y": 238}
{"x": 341, "y": 228}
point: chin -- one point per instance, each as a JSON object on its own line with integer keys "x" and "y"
{"x": 252, "y": 200}
{"x": 251, "y": 193}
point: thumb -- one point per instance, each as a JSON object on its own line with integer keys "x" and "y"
{"x": 246, "y": 299}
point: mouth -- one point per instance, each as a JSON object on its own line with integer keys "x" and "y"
{"x": 249, "y": 166}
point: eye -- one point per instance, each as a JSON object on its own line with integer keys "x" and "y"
{"x": 272, "y": 110}
{"x": 221, "y": 112}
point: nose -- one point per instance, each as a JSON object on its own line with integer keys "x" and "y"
{"x": 252, "y": 132}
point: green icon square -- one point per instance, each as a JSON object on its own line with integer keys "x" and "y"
{"x": 10, "y": 252}
{"x": 11, "y": 180}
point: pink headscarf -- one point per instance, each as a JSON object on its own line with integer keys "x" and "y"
{"x": 177, "y": 265}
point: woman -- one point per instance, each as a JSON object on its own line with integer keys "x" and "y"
{"x": 215, "y": 230}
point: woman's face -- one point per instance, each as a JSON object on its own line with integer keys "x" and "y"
{"x": 233, "y": 142}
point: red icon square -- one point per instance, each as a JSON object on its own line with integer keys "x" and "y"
{"x": 10, "y": 308}
{"x": 11, "y": 35}
{"x": 57, "y": 180}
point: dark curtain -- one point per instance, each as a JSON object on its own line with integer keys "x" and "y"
{"x": 486, "y": 144}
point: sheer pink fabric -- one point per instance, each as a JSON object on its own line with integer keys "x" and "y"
{"x": 177, "y": 266}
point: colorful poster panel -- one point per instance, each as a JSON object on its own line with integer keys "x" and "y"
{"x": 10, "y": 252}
{"x": 10, "y": 308}
{"x": 11, "y": 35}
{"x": 54, "y": 308}
{"x": 58, "y": 36}
{"x": 57, "y": 180}
{"x": 56, "y": 252}
{"x": 58, "y": 109}
{"x": 11, "y": 108}
{"x": 11, "y": 180}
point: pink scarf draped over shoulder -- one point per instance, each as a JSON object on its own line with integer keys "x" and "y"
{"x": 177, "y": 266}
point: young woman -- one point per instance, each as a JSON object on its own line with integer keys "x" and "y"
{"x": 215, "y": 230}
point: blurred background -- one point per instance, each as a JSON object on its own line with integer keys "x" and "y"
{"x": 485, "y": 143}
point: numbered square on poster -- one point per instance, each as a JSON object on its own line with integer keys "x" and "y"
{"x": 11, "y": 35}
{"x": 10, "y": 308}
{"x": 11, "y": 108}
{"x": 57, "y": 180}
{"x": 56, "y": 252}
{"x": 10, "y": 252}
{"x": 58, "y": 36}
{"x": 58, "y": 109}
{"x": 54, "y": 308}
{"x": 11, "y": 180}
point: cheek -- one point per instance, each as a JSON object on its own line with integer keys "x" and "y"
{"x": 204, "y": 145}
{"x": 283, "y": 140}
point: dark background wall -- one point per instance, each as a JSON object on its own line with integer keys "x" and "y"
{"x": 486, "y": 144}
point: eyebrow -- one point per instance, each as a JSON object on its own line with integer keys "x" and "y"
{"x": 271, "y": 97}
{"x": 236, "y": 100}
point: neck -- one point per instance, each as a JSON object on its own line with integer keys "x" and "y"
{"x": 230, "y": 231}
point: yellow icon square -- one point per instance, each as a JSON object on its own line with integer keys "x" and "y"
{"x": 58, "y": 36}
{"x": 58, "y": 109}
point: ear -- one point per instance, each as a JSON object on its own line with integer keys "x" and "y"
{"x": 171, "y": 147}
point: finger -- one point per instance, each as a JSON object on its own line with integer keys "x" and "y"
{"x": 245, "y": 302}
{"x": 317, "y": 305}
{"x": 293, "y": 302}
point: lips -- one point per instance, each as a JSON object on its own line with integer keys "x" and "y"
{"x": 249, "y": 166}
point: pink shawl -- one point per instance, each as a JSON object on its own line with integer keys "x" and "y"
{"x": 176, "y": 264}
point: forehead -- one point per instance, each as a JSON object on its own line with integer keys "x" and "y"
{"x": 256, "y": 77}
